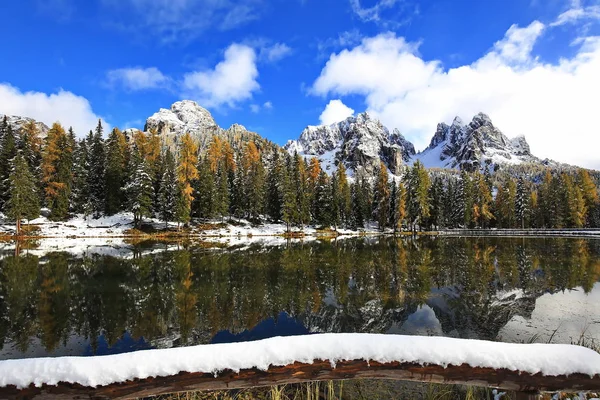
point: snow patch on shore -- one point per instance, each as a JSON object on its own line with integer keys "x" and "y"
{"x": 547, "y": 359}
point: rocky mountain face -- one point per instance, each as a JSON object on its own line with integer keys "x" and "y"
{"x": 359, "y": 142}
{"x": 474, "y": 145}
{"x": 17, "y": 123}
{"x": 187, "y": 116}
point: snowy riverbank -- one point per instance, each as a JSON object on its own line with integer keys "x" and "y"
{"x": 546, "y": 359}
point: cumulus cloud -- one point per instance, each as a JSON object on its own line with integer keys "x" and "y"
{"x": 232, "y": 80}
{"x": 335, "y": 111}
{"x": 553, "y": 105}
{"x": 67, "y": 108}
{"x": 137, "y": 78}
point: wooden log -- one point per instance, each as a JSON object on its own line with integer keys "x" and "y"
{"x": 318, "y": 371}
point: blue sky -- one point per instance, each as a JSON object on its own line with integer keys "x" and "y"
{"x": 275, "y": 66}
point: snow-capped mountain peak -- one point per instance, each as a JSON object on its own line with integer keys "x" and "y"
{"x": 473, "y": 145}
{"x": 359, "y": 142}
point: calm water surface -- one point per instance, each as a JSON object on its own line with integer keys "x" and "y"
{"x": 509, "y": 289}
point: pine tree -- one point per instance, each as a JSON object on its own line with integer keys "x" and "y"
{"x": 436, "y": 211}
{"x": 31, "y": 146}
{"x": 324, "y": 201}
{"x": 418, "y": 195}
{"x": 23, "y": 200}
{"x": 57, "y": 175}
{"x": 8, "y": 151}
{"x": 343, "y": 197}
{"x": 169, "y": 189}
{"x": 187, "y": 173}
{"x": 300, "y": 182}
{"x": 80, "y": 194}
{"x": 117, "y": 150}
{"x": 96, "y": 179}
{"x": 275, "y": 188}
{"x": 289, "y": 209}
{"x": 253, "y": 181}
{"x": 521, "y": 203}
{"x": 204, "y": 200}
{"x": 381, "y": 196}
{"x": 140, "y": 191}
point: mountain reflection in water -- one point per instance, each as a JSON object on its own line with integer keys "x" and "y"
{"x": 489, "y": 288}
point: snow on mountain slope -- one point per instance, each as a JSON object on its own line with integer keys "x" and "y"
{"x": 16, "y": 123}
{"x": 358, "y": 142}
{"x": 471, "y": 146}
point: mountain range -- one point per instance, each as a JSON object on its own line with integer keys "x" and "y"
{"x": 360, "y": 142}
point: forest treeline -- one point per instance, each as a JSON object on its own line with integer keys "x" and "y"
{"x": 94, "y": 176}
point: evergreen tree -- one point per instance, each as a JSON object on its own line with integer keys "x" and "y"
{"x": 521, "y": 203}
{"x": 324, "y": 201}
{"x": 57, "y": 175}
{"x": 169, "y": 189}
{"x": 343, "y": 196}
{"x": 275, "y": 188}
{"x": 204, "y": 201}
{"x": 140, "y": 191}
{"x": 398, "y": 206}
{"x": 80, "y": 194}
{"x": 96, "y": 179}
{"x": 576, "y": 210}
{"x": 117, "y": 150}
{"x": 436, "y": 211}
{"x": 381, "y": 198}
{"x": 300, "y": 182}
{"x": 253, "y": 181}
{"x": 418, "y": 195}
{"x": 8, "y": 151}
{"x": 23, "y": 201}
{"x": 289, "y": 210}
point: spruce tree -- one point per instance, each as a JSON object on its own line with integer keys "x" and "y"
{"x": 204, "y": 201}
{"x": 140, "y": 190}
{"x": 418, "y": 195}
{"x": 169, "y": 189}
{"x": 521, "y": 203}
{"x": 23, "y": 200}
{"x": 8, "y": 151}
{"x": 381, "y": 197}
{"x": 116, "y": 171}
{"x": 300, "y": 181}
{"x": 80, "y": 194}
{"x": 324, "y": 201}
{"x": 275, "y": 188}
{"x": 436, "y": 210}
{"x": 344, "y": 199}
{"x": 289, "y": 207}
{"x": 96, "y": 178}
{"x": 253, "y": 181}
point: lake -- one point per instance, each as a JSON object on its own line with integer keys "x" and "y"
{"x": 121, "y": 298}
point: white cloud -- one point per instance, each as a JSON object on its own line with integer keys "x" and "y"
{"x": 275, "y": 52}
{"x": 335, "y": 111}
{"x": 256, "y": 108}
{"x": 232, "y": 80}
{"x": 63, "y": 106}
{"x": 576, "y": 13}
{"x": 399, "y": 12}
{"x": 173, "y": 20}
{"x": 554, "y": 105}
{"x": 137, "y": 78}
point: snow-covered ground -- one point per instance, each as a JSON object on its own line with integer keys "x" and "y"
{"x": 550, "y": 360}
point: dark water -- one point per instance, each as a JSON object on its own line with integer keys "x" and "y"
{"x": 489, "y": 288}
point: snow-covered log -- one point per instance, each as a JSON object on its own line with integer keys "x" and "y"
{"x": 280, "y": 360}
